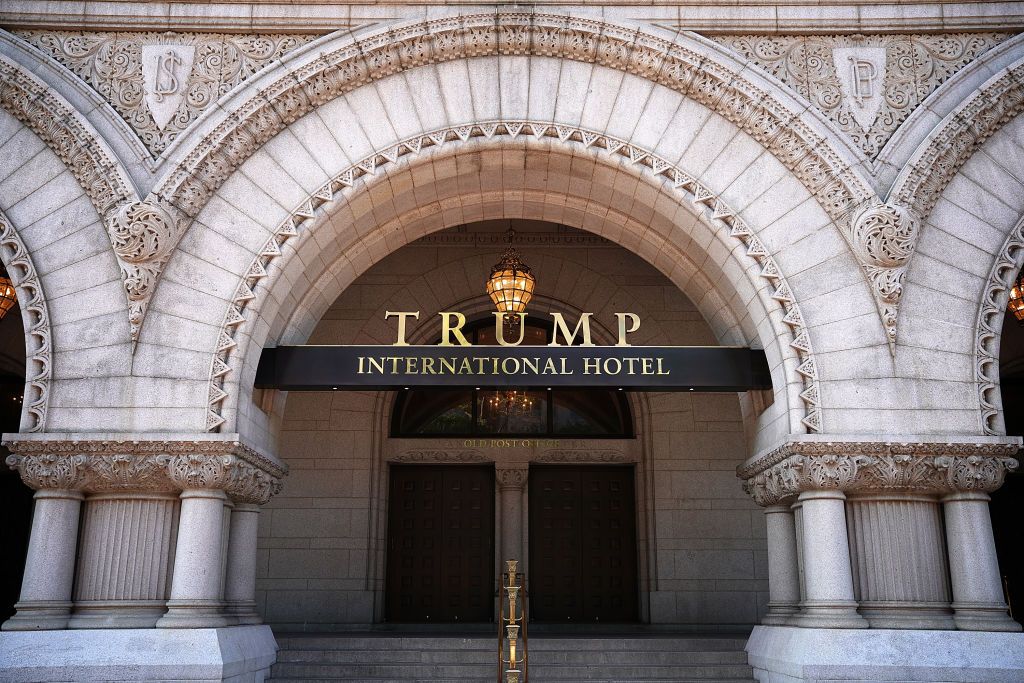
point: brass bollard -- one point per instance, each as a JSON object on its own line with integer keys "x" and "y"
{"x": 512, "y": 625}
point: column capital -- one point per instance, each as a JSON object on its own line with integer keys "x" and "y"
{"x": 512, "y": 477}
{"x": 105, "y": 463}
{"x": 928, "y": 467}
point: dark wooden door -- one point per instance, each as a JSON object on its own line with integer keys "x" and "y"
{"x": 582, "y": 544}
{"x": 440, "y": 544}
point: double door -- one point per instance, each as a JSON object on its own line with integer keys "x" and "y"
{"x": 583, "y": 550}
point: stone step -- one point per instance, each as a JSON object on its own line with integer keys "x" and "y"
{"x": 539, "y": 657}
{"x": 533, "y": 677}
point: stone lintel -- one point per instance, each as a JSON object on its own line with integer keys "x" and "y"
{"x": 923, "y": 464}
{"x": 103, "y": 463}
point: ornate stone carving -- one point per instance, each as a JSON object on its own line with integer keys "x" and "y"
{"x": 512, "y": 478}
{"x": 884, "y": 237}
{"x": 49, "y": 471}
{"x": 161, "y": 82}
{"x": 930, "y": 468}
{"x": 439, "y": 455}
{"x": 67, "y": 133}
{"x": 36, "y": 317}
{"x": 146, "y": 465}
{"x": 716, "y": 211}
{"x": 924, "y": 178}
{"x": 989, "y": 330}
{"x": 899, "y": 71}
{"x": 143, "y": 235}
{"x": 584, "y": 455}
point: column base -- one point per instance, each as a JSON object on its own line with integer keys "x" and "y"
{"x": 933, "y": 616}
{"x": 117, "y": 613}
{"x": 243, "y": 613}
{"x": 797, "y": 655}
{"x": 39, "y": 616}
{"x": 829, "y": 615}
{"x": 780, "y": 614}
{"x": 983, "y": 617}
{"x": 194, "y": 614}
{"x": 241, "y": 654}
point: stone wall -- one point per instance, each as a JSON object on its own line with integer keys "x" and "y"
{"x": 701, "y": 539}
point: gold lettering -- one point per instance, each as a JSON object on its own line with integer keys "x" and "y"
{"x": 570, "y": 337}
{"x": 447, "y": 365}
{"x": 608, "y": 364}
{"x": 549, "y": 367}
{"x": 360, "y": 370}
{"x": 591, "y": 366}
{"x": 376, "y": 363}
{"x": 499, "y": 328}
{"x": 634, "y": 320}
{"x": 394, "y": 364}
{"x": 448, "y": 329}
{"x": 428, "y": 366}
{"x": 480, "y": 365}
{"x": 630, "y": 362}
{"x": 648, "y": 364}
{"x": 402, "y": 316}
{"x": 465, "y": 368}
{"x": 412, "y": 365}
{"x": 565, "y": 371}
{"x": 531, "y": 364}
{"x": 660, "y": 371}
{"x": 504, "y": 366}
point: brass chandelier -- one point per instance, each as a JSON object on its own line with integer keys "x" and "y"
{"x": 510, "y": 284}
{"x": 7, "y": 296}
{"x": 1016, "y": 302}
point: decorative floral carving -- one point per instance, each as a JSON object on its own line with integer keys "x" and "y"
{"x": 143, "y": 235}
{"x": 36, "y": 316}
{"x": 884, "y": 237}
{"x": 512, "y": 478}
{"x": 920, "y": 467}
{"x": 48, "y": 471}
{"x": 439, "y": 455}
{"x": 147, "y": 465}
{"x": 112, "y": 63}
{"x": 915, "y": 65}
{"x": 716, "y": 212}
{"x": 584, "y": 455}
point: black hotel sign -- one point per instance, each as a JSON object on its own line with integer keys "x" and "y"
{"x": 457, "y": 363}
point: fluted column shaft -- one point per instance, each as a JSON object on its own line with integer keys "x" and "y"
{"x": 829, "y": 600}
{"x": 899, "y": 563}
{"x": 783, "y": 565}
{"x": 240, "y": 584}
{"x": 978, "y": 601}
{"x": 196, "y": 584}
{"x": 45, "y": 601}
{"x": 124, "y": 560}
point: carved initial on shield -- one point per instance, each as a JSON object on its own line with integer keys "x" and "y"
{"x": 861, "y": 72}
{"x": 165, "y": 75}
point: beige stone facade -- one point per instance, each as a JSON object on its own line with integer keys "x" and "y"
{"x": 184, "y": 186}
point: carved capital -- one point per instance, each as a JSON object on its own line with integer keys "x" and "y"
{"x": 50, "y": 471}
{"x": 512, "y": 477}
{"x": 97, "y": 466}
{"x": 916, "y": 467}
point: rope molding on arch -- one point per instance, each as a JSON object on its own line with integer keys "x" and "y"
{"x": 715, "y": 211}
{"x": 35, "y": 313}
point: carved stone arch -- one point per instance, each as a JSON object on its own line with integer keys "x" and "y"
{"x": 801, "y": 139}
{"x": 254, "y": 315}
{"x": 36, "y": 320}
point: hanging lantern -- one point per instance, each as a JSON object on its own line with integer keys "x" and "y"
{"x": 1016, "y": 302}
{"x": 7, "y": 296}
{"x": 511, "y": 284}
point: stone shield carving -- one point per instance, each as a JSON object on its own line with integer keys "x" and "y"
{"x": 165, "y": 73}
{"x": 861, "y": 72}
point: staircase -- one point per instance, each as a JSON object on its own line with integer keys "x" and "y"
{"x": 395, "y": 658}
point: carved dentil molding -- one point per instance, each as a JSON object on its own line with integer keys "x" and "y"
{"x": 143, "y": 466}
{"x": 36, "y": 316}
{"x": 907, "y": 69}
{"x": 929, "y": 468}
{"x": 714, "y": 210}
{"x": 988, "y": 330}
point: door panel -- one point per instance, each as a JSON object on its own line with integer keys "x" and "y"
{"x": 440, "y": 544}
{"x": 582, "y": 544}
